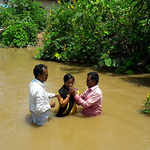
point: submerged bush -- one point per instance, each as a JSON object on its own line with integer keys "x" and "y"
{"x": 147, "y": 105}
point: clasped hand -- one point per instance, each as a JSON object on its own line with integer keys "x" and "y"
{"x": 72, "y": 90}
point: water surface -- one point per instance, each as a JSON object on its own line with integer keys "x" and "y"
{"x": 120, "y": 126}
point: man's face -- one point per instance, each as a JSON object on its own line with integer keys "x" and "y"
{"x": 43, "y": 77}
{"x": 89, "y": 82}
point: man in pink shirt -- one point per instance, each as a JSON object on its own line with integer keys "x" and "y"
{"x": 91, "y": 99}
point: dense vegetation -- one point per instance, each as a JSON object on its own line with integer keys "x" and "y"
{"x": 21, "y": 21}
{"x": 111, "y": 33}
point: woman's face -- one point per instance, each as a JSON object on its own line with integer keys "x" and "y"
{"x": 69, "y": 83}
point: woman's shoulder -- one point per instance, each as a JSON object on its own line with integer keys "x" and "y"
{"x": 62, "y": 88}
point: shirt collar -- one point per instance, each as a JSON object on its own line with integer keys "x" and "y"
{"x": 93, "y": 88}
{"x": 41, "y": 83}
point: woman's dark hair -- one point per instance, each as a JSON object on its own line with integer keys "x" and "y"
{"x": 67, "y": 77}
{"x": 94, "y": 76}
{"x": 38, "y": 69}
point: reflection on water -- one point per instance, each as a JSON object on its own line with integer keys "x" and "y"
{"x": 120, "y": 126}
{"x": 139, "y": 80}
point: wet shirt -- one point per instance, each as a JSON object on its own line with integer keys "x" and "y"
{"x": 91, "y": 101}
{"x": 39, "y": 103}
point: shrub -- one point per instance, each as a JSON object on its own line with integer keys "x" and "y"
{"x": 21, "y": 21}
{"x": 102, "y": 33}
{"x": 20, "y": 34}
{"x": 74, "y": 32}
{"x": 147, "y": 105}
{"x": 39, "y": 15}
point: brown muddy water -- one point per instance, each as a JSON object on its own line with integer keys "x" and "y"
{"x": 121, "y": 125}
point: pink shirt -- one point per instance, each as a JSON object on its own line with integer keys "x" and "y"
{"x": 91, "y": 101}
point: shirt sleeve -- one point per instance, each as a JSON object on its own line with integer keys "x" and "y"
{"x": 50, "y": 95}
{"x": 89, "y": 102}
{"x": 40, "y": 107}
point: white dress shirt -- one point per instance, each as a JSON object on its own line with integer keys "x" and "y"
{"x": 39, "y": 103}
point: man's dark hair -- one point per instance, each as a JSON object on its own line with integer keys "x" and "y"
{"x": 67, "y": 77}
{"x": 94, "y": 76}
{"x": 38, "y": 69}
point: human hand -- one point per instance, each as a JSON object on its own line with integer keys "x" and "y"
{"x": 52, "y": 104}
{"x": 72, "y": 91}
{"x": 56, "y": 95}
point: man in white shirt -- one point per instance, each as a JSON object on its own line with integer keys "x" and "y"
{"x": 39, "y": 103}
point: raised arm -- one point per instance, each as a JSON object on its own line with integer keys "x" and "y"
{"x": 93, "y": 99}
{"x": 62, "y": 101}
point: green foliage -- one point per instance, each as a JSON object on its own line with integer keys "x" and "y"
{"x": 147, "y": 105}
{"x": 143, "y": 6}
{"x": 4, "y": 13}
{"x": 100, "y": 32}
{"x": 74, "y": 33}
{"x": 20, "y": 34}
{"x": 66, "y": 1}
{"x": 36, "y": 13}
{"x": 21, "y": 21}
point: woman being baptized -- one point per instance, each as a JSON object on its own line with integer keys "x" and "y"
{"x": 67, "y": 104}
